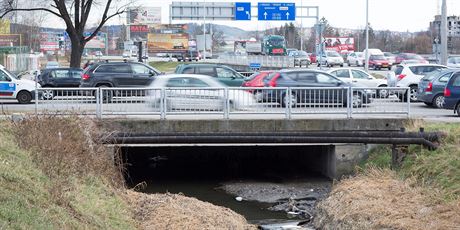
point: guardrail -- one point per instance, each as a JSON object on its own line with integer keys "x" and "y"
{"x": 263, "y": 60}
{"x": 287, "y": 102}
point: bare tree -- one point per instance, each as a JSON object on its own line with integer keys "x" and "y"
{"x": 75, "y": 14}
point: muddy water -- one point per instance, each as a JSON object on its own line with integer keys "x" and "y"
{"x": 273, "y": 184}
{"x": 263, "y": 201}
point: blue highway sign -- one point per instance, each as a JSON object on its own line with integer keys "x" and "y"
{"x": 276, "y": 11}
{"x": 242, "y": 11}
{"x": 254, "y": 65}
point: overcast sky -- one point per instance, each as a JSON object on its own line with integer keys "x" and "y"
{"x": 396, "y": 15}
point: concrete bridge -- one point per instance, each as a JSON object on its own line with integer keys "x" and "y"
{"x": 330, "y": 147}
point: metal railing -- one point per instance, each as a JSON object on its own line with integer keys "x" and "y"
{"x": 228, "y": 102}
{"x": 263, "y": 60}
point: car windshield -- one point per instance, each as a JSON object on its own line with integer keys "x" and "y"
{"x": 378, "y": 57}
{"x": 276, "y": 41}
{"x": 360, "y": 54}
{"x": 388, "y": 54}
{"x": 10, "y": 74}
{"x": 332, "y": 54}
{"x": 454, "y": 60}
{"x": 301, "y": 54}
{"x": 414, "y": 57}
{"x": 435, "y": 73}
{"x": 399, "y": 69}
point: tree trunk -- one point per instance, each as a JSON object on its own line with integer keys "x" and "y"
{"x": 76, "y": 52}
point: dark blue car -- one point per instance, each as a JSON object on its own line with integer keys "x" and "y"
{"x": 452, "y": 93}
{"x": 431, "y": 87}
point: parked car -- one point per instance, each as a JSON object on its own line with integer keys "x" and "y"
{"x": 222, "y": 73}
{"x": 179, "y": 98}
{"x": 52, "y": 65}
{"x": 431, "y": 87}
{"x": 290, "y": 50}
{"x": 409, "y": 75}
{"x": 256, "y": 80}
{"x": 59, "y": 77}
{"x": 309, "y": 78}
{"x": 355, "y": 58}
{"x": 301, "y": 58}
{"x": 378, "y": 62}
{"x": 391, "y": 58}
{"x": 331, "y": 58}
{"x": 359, "y": 78}
{"x": 11, "y": 87}
{"x": 409, "y": 58}
{"x": 453, "y": 61}
{"x": 312, "y": 57}
{"x": 452, "y": 93}
{"x": 118, "y": 74}
{"x": 189, "y": 56}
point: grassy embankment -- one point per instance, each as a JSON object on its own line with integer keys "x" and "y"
{"x": 439, "y": 169}
{"x": 164, "y": 66}
{"x": 423, "y": 193}
{"x": 67, "y": 183}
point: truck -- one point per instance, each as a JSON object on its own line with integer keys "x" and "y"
{"x": 270, "y": 45}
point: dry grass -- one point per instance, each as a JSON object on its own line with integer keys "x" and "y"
{"x": 175, "y": 211}
{"x": 64, "y": 149}
{"x": 378, "y": 199}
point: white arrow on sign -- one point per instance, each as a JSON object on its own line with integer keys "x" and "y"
{"x": 287, "y": 15}
{"x": 247, "y": 13}
{"x": 265, "y": 15}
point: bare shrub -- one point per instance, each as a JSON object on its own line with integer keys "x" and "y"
{"x": 66, "y": 148}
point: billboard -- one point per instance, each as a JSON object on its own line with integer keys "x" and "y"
{"x": 139, "y": 32}
{"x": 10, "y": 40}
{"x": 49, "y": 46}
{"x": 146, "y": 15}
{"x": 162, "y": 43}
{"x": 168, "y": 28}
{"x": 339, "y": 44}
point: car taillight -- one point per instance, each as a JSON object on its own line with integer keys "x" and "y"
{"x": 272, "y": 83}
{"x": 401, "y": 76}
{"x": 85, "y": 76}
{"x": 446, "y": 92}
{"x": 429, "y": 88}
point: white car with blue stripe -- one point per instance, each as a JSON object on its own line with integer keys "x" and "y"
{"x": 13, "y": 88}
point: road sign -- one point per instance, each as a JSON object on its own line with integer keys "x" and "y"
{"x": 242, "y": 11}
{"x": 276, "y": 11}
{"x": 254, "y": 65}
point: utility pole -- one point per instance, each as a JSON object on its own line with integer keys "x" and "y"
{"x": 301, "y": 24}
{"x": 204, "y": 28}
{"x": 444, "y": 33}
{"x": 366, "y": 65}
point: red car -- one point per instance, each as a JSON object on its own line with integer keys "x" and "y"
{"x": 256, "y": 79}
{"x": 379, "y": 62}
{"x": 406, "y": 58}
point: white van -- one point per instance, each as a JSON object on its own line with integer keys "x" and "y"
{"x": 14, "y": 88}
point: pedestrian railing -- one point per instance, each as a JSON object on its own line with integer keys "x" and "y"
{"x": 287, "y": 102}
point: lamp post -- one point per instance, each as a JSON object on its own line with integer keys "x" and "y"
{"x": 366, "y": 64}
{"x": 301, "y": 24}
{"x": 444, "y": 33}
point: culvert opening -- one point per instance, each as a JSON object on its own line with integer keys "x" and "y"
{"x": 264, "y": 177}
{"x": 226, "y": 162}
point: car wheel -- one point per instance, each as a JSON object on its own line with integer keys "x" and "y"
{"x": 24, "y": 97}
{"x": 438, "y": 101}
{"x": 357, "y": 63}
{"x": 341, "y": 65}
{"x": 289, "y": 99}
{"x": 357, "y": 100}
{"x": 48, "y": 94}
{"x": 107, "y": 95}
{"x": 413, "y": 93}
{"x": 457, "y": 108}
{"x": 383, "y": 93}
{"x": 259, "y": 96}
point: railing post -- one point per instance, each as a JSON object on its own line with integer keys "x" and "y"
{"x": 101, "y": 101}
{"x": 226, "y": 103}
{"x": 162, "y": 103}
{"x": 408, "y": 102}
{"x": 349, "y": 102}
{"x": 289, "y": 104}
{"x": 98, "y": 104}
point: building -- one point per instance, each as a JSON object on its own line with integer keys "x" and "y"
{"x": 453, "y": 33}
